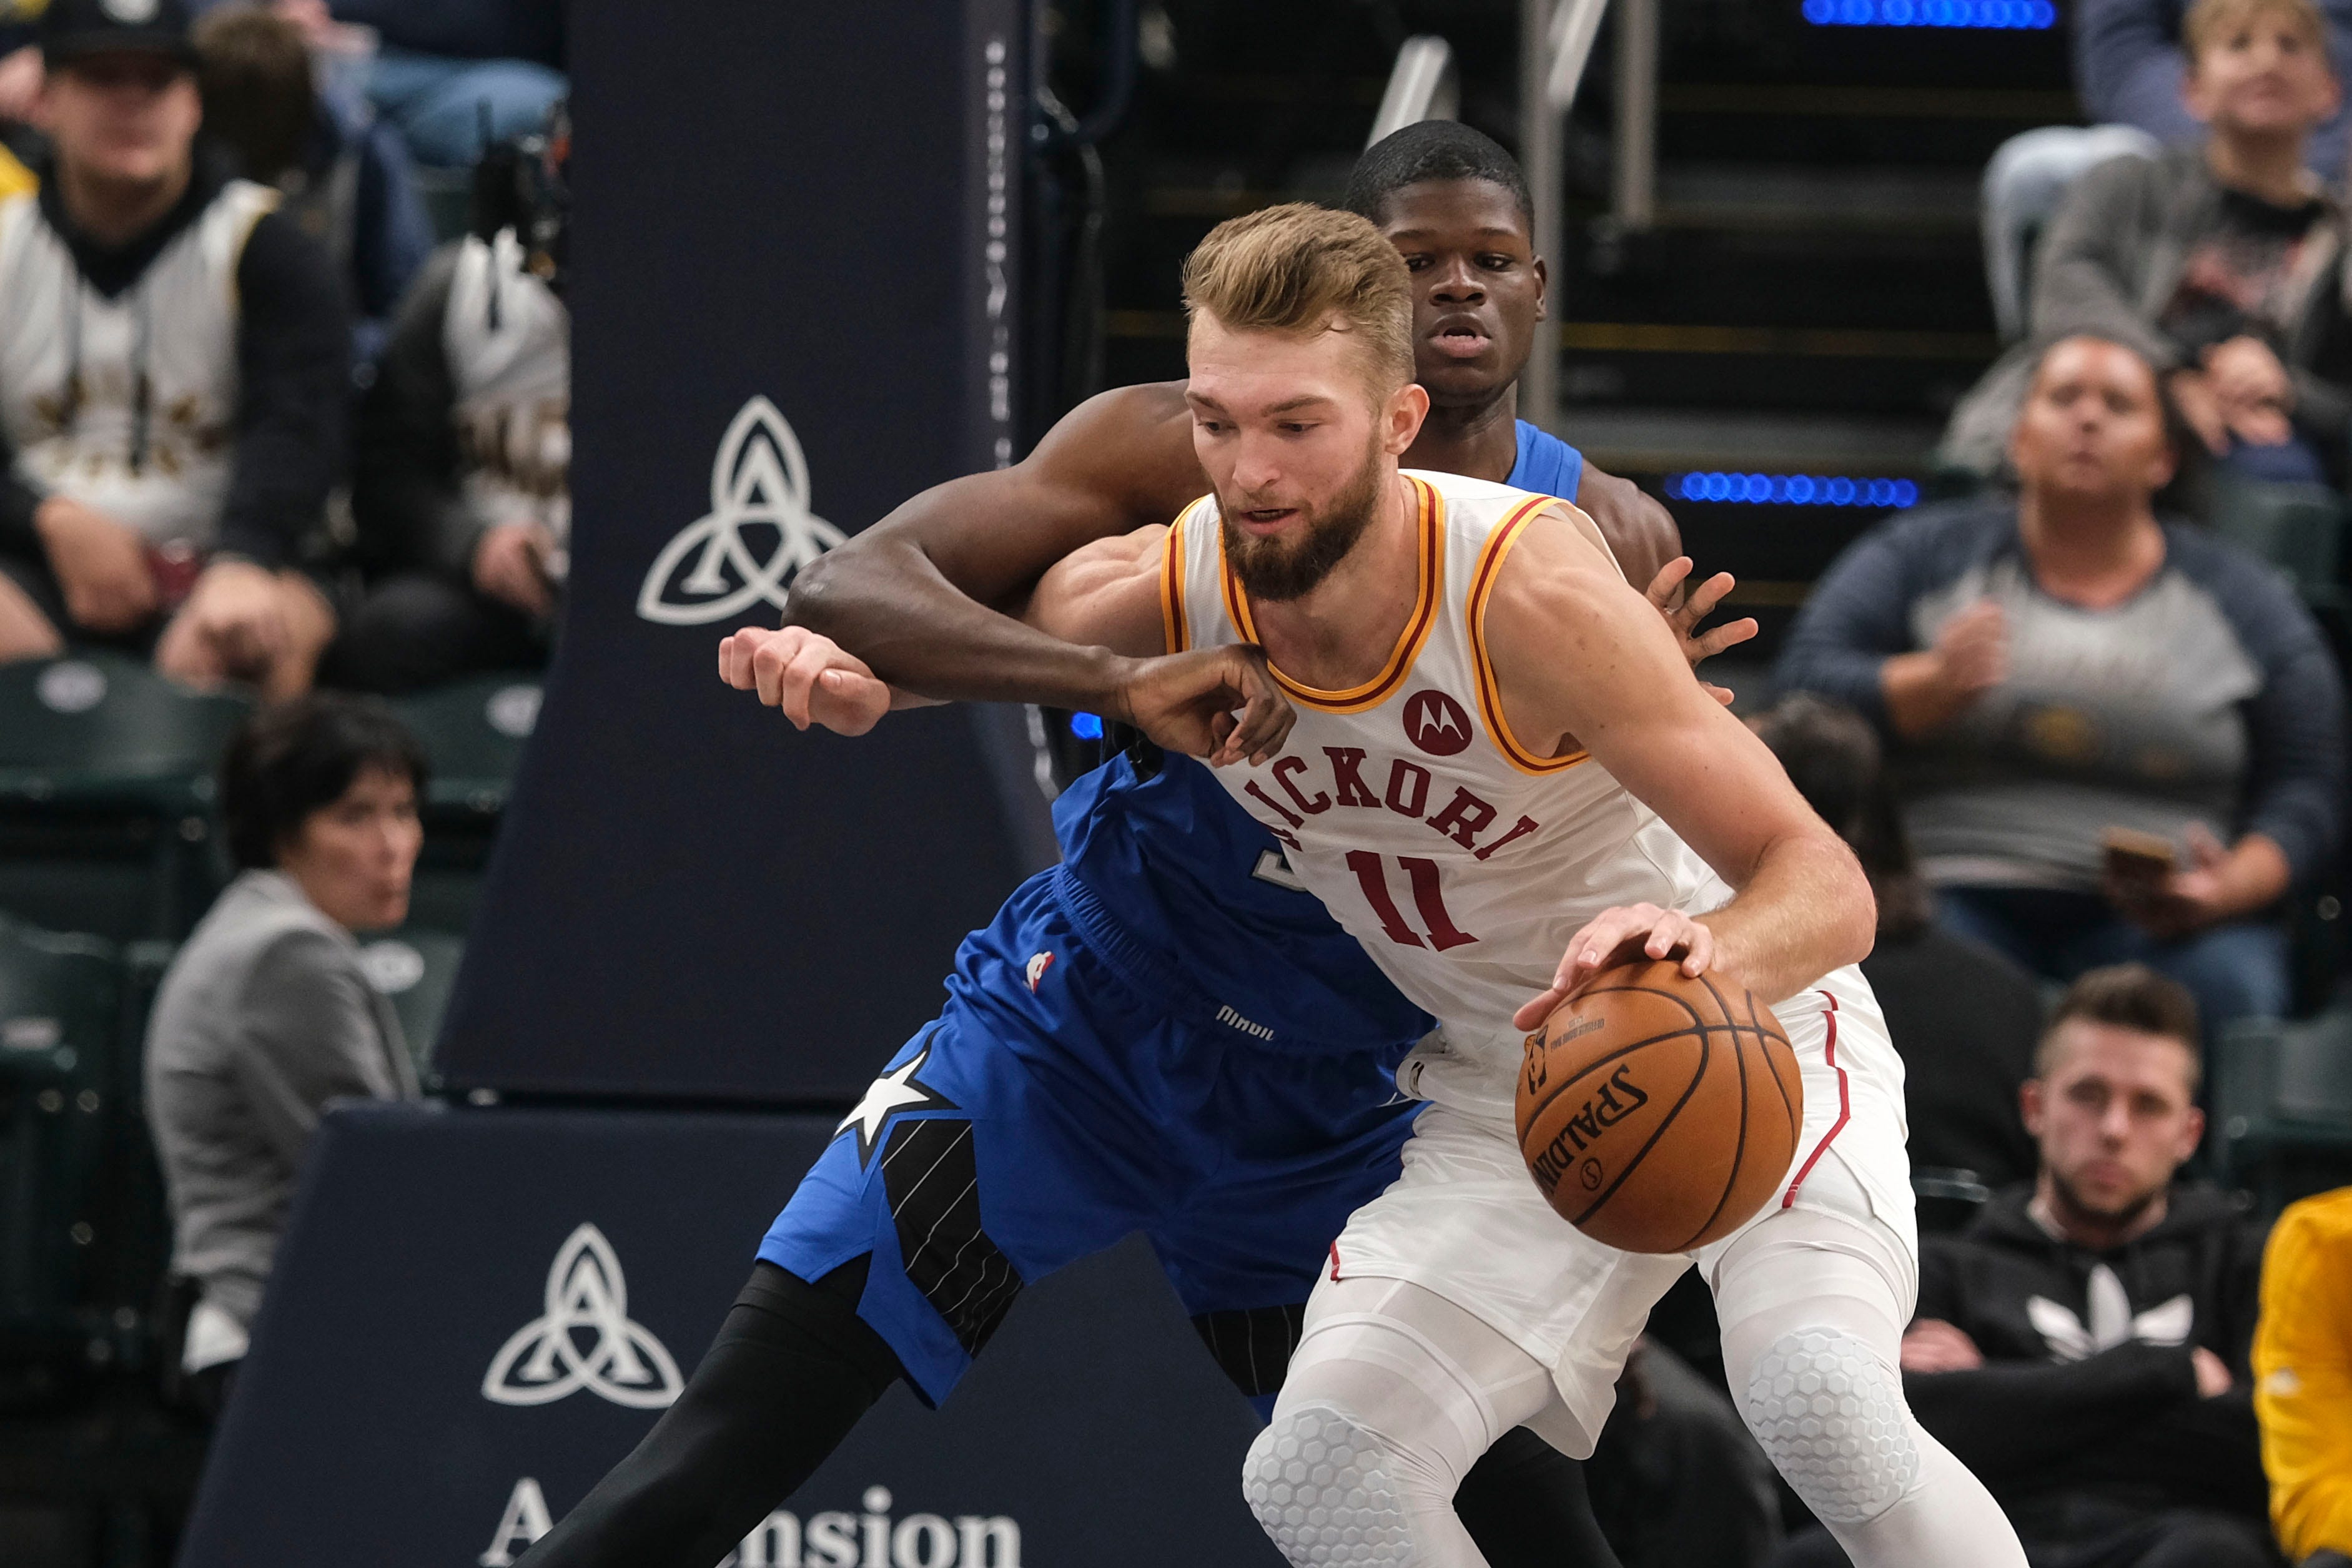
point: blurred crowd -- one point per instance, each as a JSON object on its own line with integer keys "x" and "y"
{"x": 255, "y": 423}
{"x": 284, "y": 386}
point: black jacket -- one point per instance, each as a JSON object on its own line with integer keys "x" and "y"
{"x": 2087, "y": 1386}
{"x": 293, "y": 348}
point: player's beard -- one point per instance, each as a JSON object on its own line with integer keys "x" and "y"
{"x": 1279, "y": 567}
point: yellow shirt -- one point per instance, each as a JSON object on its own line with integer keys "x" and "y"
{"x": 2303, "y": 1375}
{"x": 14, "y": 178}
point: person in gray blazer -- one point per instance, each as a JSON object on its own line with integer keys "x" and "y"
{"x": 266, "y": 1014}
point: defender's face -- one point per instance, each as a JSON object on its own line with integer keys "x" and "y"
{"x": 2114, "y": 1116}
{"x": 1477, "y": 285}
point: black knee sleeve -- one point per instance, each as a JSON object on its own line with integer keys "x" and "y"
{"x": 1524, "y": 1503}
{"x": 792, "y": 1369}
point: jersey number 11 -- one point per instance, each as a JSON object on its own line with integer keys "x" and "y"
{"x": 1371, "y": 874}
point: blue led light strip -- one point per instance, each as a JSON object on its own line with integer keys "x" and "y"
{"x": 1793, "y": 490}
{"x": 2030, "y": 15}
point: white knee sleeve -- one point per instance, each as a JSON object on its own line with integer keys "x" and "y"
{"x": 1391, "y": 1395}
{"x": 1320, "y": 1486}
{"x": 1834, "y": 1423}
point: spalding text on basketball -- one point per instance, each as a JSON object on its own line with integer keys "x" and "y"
{"x": 1618, "y": 1097}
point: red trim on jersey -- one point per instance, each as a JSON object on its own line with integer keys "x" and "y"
{"x": 1409, "y": 642}
{"x": 1846, "y": 1107}
{"x": 1335, "y": 1260}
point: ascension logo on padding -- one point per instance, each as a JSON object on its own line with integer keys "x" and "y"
{"x": 759, "y": 482}
{"x": 584, "y": 1338}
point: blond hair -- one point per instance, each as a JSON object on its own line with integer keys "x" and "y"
{"x": 2208, "y": 19}
{"x": 1304, "y": 270}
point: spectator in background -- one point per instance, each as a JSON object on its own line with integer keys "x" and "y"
{"x": 459, "y": 77}
{"x": 2058, "y": 666}
{"x": 345, "y": 181}
{"x": 2129, "y": 63}
{"x": 2223, "y": 265}
{"x": 1962, "y": 1064}
{"x": 460, "y": 482}
{"x": 266, "y": 1014}
{"x": 171, "y": 379}
{"x": 2084, "y": 1345}
{"x": 2303, "y": 1379}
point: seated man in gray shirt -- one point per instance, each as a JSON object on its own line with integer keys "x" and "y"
{"x": 2059, "y": 668}
{"x": 266, "y": 1014}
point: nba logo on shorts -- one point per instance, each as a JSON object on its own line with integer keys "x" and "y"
{"x": 1435, "y": 723}
{"x": 1038, "y": 963}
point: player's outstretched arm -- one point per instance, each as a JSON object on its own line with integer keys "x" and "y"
{"x": 923, "y": 596}
{"x": 809, "y": 679}
{"x": 1582, "y": 660}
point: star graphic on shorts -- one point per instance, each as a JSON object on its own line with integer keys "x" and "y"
{"x": 896, "y": 1090}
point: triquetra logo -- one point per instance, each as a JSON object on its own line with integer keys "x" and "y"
{"x": 759, "y": 483}
{"x": 586, "y": 1299}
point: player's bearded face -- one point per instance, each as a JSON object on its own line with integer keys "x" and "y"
{"x": 1291, "y": 564}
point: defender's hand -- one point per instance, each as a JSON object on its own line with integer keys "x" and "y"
{"x": 1696, "y": 607}
{"x": 808, "y": 677}
{"x": 1187, "y": 702}
{"x": 1619, "y": 936}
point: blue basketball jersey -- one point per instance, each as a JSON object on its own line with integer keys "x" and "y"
{"x": 1546, "y": 466}
{"x": 1192, "y": 898}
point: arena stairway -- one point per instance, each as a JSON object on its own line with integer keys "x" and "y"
{"x": 1809, "y": 301}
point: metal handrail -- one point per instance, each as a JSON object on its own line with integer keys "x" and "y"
{"x": 1422, "y": 85}
{"x": 1556, "y": 40}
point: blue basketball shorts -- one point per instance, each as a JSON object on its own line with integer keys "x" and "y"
{"x": 1051, "y": 1109}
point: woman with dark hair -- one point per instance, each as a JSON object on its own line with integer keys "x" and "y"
{"x": 267, "y": 1015}
{"x": 1964, "y": 1018}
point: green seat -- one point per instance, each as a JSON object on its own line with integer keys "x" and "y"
{"x": 474, "y": 731}
{"x": 2296, "y": 527}
{"x": 106, "y": 795}
{"x": 2283, "y": 1104}
{"x": 414, "y": 968}
{"x": 59, "y": 1089}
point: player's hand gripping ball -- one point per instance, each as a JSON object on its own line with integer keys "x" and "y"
{"x": 1659, "y": 1112}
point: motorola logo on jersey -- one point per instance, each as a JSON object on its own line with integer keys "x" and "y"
{"x": 759, "y": 482}
{"x": 586, "y": 1296}
{"x": 1435, "y": 723}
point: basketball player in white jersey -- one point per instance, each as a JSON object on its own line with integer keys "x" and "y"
{"x": 1499, "y": 772}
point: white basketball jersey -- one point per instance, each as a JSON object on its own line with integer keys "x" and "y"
{"x": 1461, "y": 856}
{"x": 177, "y": 327}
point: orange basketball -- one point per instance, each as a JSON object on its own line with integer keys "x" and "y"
{"x": 1657, "y": 1113}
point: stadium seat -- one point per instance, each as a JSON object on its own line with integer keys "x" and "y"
{"x": 416, "y": 968}
{"x": 2027, "y": 178}
{"x": 2296, "y": 527}
{"x": 60, "y": 1086}
{"x": 473, "y": 731}
{"x": 106, "y": 795}
{"x": 2283, "y": 1100}
{"x": 1949, "y": 1197}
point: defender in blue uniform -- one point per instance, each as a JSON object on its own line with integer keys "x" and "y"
{"x": 1163, "y": 1034}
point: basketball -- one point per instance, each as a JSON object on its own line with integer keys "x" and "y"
{"x": 1659, "y": 1112}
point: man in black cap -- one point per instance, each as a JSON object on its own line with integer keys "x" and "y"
{"x": 172, "y": 376}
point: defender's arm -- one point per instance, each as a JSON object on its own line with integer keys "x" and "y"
{"x": 1581, "y": 657}
{"x": 923, "y": 595}
{"x": 1107, "y": 594}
